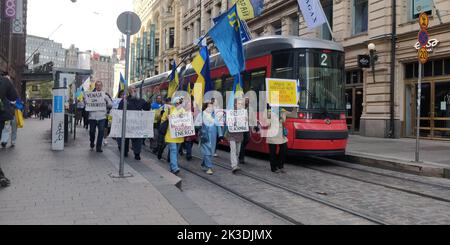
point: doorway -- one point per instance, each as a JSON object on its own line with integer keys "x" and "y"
{"x": 354, "y": 100}
{"x": 434, "y": 111}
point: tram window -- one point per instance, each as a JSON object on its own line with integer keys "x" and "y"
{"x": 447, "y": 67}
{"x": 283, "y": 65}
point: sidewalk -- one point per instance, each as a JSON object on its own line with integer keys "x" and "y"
{"x": 74, "y": 186}
{"x": 400, "y": 154}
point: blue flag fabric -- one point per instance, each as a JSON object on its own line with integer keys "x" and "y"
{"x": 226, "y": 35}
{"x": 237, "y": 86}
{"x": 206, "y": 71}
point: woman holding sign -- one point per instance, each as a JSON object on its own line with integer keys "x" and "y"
{"x": 208, "y": 136}
{"x": 173, "y": 112}
{"x": 277, "y": 137}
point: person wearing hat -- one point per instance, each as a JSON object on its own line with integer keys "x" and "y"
{"x": 208, "y": 135}
{"x": 175, "y": 109}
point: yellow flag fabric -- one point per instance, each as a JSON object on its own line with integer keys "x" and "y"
{"x": 19, "y": 119}
{"x": 173, "y": 85}
{"x": 198, "y": 63}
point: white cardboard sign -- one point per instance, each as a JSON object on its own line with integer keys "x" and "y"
{"x": 139, "y": 124}
{"x": 95, "y": 101}
{"x": 237, "y": 121}
{"x": 181, "y": 125}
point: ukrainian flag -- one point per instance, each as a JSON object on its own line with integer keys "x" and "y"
{"x": 174, "y": 81}
{"x": 121, "y": 84}
{"x": 201, "y": 67}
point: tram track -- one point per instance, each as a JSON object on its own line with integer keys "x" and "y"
{"x": 302, "y": 194}
{"x": 421, "y": 194}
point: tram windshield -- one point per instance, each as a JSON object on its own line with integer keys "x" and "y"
{"x": 321, "y": 76}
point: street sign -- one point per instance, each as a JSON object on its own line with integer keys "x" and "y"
{"x": 129, "y": 23}
{"x": 424, "y": 21}
{"x": 423, "y": 38}
{"x": 423, "y": 55}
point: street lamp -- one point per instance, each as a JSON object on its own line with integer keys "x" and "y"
{"x": 373, "y": 57}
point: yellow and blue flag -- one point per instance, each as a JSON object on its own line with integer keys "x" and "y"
{"x": 226, "y": 35}
{"x": 121, "y": 84}
{"x": 249, "y": 9}
{"x": 174, "y": 81}
{"x": 202, "y": 68}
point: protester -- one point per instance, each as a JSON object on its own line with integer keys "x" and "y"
{"x": 7, "y": 93}
{"x": 79, "y": 114}
{"x": 208, "y": 136}
{"x": 235, "y": 140}
{"x": 134, "y": 104}
{"x": 189, "y": 141}
{"x": 98, "y": 119}
{"x": 219, "y": 130}
{"x": 278, "y": 139}
{"x": 108, "y": 123}
{"x": 163, "y": 129}
{"x": 246, "y": 135}
{"x": 156, "y": 107}
{"x": 173, "y": 143}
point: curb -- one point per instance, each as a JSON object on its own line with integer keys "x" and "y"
{"x": 422, "y": 169}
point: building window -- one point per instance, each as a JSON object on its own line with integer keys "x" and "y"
{"x": 171, "y": 37}
{"x": 419, "y": 6}
{"x": 354, "y": 77}
{"x": 360, "y": 16}
{"x": 35, "y": 88}
{"x": 277, "y": 28}
{"x": 156, "y": 47}
{"x": 328, "y": 9}
{"x": 295, "y": 26}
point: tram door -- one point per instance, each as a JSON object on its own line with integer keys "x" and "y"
{"x": 354, "y": 100}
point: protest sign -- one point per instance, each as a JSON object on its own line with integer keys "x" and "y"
{"x": 95, "y": 101}
{"x": 220, "y": 117}
{"x": 181, "y": 125}
{"x": 237, "y": 121}
{"x": 282, "y": 92}
{"x": 139, "y": 124}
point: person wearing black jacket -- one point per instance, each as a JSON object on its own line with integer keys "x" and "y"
{"x": 7, "y": 93}
{"x": 134, "y": 104}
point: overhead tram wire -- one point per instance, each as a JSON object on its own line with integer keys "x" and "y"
{"x": 27, "y": 61}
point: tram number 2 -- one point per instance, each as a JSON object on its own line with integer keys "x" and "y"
{"x": 324, "y": 60}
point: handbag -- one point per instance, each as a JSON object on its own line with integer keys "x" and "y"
{"x": 19, "y": 118}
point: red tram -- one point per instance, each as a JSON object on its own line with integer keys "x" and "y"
{"x": 318, "y": 126}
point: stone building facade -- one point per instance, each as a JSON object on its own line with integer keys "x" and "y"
{"x": 158, "y": 43}
{"x": 12, "y": 47}
{"x": 103, "y": 70}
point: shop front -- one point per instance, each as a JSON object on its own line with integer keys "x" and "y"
{"x": 435, "y": 100}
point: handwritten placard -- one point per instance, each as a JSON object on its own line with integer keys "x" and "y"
{"x": 95, "y": 101}
{"x": 139, "y": 124}
{"x": 282, "y": 92}
{"x": 237, "y": 121}
{"x": 181, "y": 125}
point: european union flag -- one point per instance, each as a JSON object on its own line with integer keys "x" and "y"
{"x": 227, "y": 37}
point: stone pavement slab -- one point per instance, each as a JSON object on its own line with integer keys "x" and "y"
{"x": 73, "y": 187}
{"x": 400, "y": 154}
